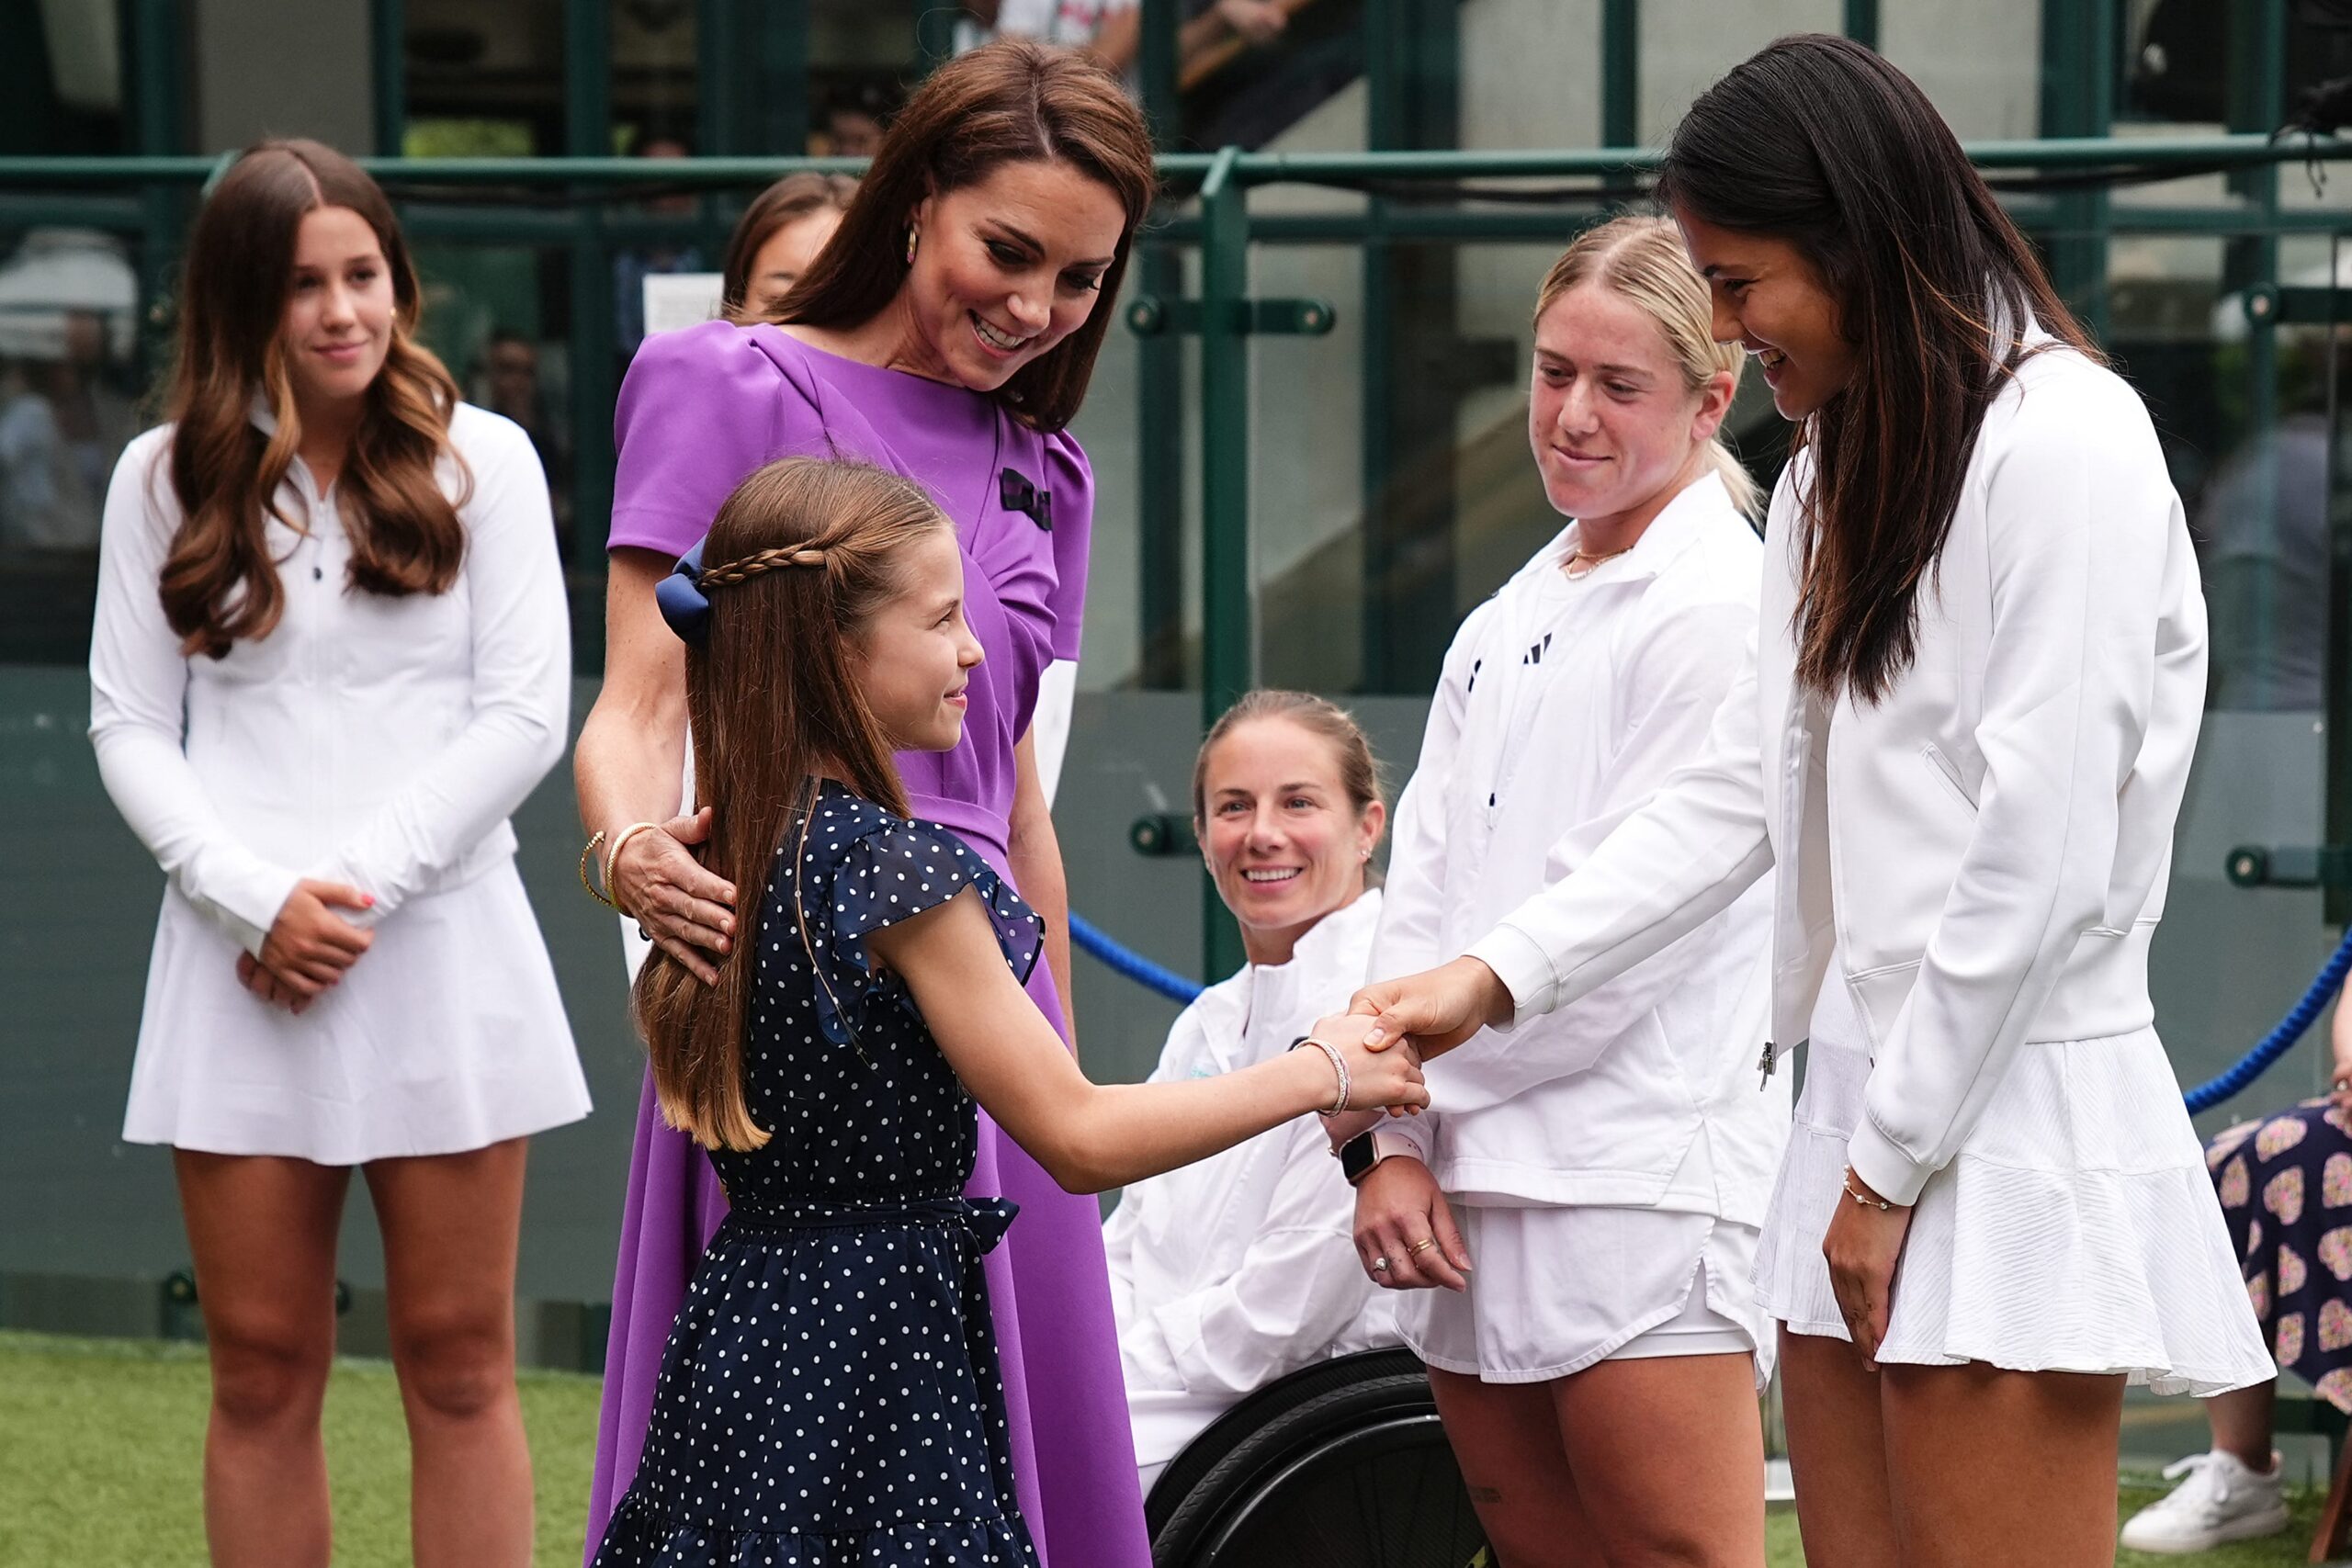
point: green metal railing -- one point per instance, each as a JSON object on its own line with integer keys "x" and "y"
{"x": 151, "y": 194}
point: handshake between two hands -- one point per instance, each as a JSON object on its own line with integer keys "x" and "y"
{"x": 1391, "y": 1027}
{"x": 1405, "y": 1233}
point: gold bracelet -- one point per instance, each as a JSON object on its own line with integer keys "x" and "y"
{"x": 585, "y": 856}
{"x": 613, "y": 855}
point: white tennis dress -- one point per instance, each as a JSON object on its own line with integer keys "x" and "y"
{"x": 377, "y": 741}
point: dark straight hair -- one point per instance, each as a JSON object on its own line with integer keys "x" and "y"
{"x": 1007, "y": 102}
{"x": 1818, "y": 141}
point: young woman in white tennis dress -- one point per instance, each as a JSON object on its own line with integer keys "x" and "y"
{"x": 330, "y": 659}
{"x": 1963, "y": 742}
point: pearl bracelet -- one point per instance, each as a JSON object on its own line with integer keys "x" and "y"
{"x": 1847, "y": 1181}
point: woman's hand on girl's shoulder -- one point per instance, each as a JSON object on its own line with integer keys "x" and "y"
{"x": 686, "y": 909}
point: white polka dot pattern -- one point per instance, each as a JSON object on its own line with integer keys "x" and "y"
{"x": 831, "y": 1394}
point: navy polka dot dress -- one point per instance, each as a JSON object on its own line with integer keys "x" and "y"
{"x": 830, "y": 1395}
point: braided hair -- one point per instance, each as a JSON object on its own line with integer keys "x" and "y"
{"x": 808, "y": 550}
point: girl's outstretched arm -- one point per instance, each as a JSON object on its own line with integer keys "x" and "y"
{"x": 1092, "y": 1136}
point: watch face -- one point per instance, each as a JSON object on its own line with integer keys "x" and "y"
{"x": 1357, "y": 1157}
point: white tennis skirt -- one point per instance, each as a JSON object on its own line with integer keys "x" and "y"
{"x": 1557, "y": 1290}
{"x": 2076, "y": 1231}
{"x": 448, "y": 1035}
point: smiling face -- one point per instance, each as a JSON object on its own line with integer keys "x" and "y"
{"x": 784, "y": 255}
{"x": 914, "y": 655}
{"x": 1283, "y": 841}
{"x": 1774, "y": 302}
{"x": 338, "y": 325}
{"x": 1005, "y": 269}
{"x": 1615, "y": 427}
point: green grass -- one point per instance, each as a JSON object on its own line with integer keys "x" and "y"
{"x": 1781, "y": 1549}
{"x": 102, "y": 1445}
{"x": 102, "y": 1449}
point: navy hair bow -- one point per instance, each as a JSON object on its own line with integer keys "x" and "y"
{"x": 1015, "y": 493}
{"x": 683, "y": 602}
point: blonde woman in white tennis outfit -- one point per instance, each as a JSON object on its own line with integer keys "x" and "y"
{"x": 1603, "y": 1183}
{"x": 1962, "y": 744}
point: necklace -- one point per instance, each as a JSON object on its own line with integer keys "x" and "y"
{"x": 1588, "y": 561}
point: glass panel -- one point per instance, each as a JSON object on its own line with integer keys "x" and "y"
{"x": 655, "y": 90}
{"x": 69, "y": 402}
{"x": 500, "y": 317}
{"x": 2245, "y": 434}
{"x": 1687, "y": 44}
{"x": 1981, "y": 62}
{"x": 1259, "y": 73}
{"x": 61, "y": 80}
{"x": 482, "y": 81}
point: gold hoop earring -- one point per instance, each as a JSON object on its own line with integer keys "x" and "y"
{"x": 911, "y": 235}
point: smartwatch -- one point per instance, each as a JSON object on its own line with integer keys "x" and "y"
{"x": 1365, "y": 1150}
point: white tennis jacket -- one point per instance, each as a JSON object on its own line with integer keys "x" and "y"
{"x": 1562, "y": 710}
{"x": 1987, "y": 848}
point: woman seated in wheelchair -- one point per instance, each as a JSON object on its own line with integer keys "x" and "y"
{"x": 1232, "y": 1272}
{"x": 2284, "y": 1183}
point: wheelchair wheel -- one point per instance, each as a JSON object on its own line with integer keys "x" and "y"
{"x": 1341, "y": 1465}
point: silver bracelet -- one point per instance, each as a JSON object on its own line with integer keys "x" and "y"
{"x": 1339, "y": 1065}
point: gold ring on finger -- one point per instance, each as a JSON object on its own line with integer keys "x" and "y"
{"x": 1422, "y": 1246}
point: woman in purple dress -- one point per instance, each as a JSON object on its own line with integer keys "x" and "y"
{"x": 947, "y": 333}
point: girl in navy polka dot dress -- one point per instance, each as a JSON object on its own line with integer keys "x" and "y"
{"x": 830, "y": 1395}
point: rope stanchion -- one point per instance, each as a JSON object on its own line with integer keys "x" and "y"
{"x": 1134, "y": 966}
{"x": 2276, "y": 1044}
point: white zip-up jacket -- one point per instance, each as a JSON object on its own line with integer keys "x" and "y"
{"x": 1988, "y": 847}
{"x": 1229, "y": 1272}
{"x": 1562, "y": 708}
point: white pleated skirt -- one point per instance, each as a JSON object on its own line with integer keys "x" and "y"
{"x": 2076, "y": 1231}
{"x": 448, "y": 1035}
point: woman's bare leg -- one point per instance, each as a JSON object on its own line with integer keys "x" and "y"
{"x": 451, "y": 1225}
{"x": 262, "y": 1230}
{"x": 2245, "y": 1424}
{"x": 1668, "y": 1454}
{"x": 1992, "y": 1466}
{"x": 1837, "y": 1454}
{"x": 1506, "y": 1437}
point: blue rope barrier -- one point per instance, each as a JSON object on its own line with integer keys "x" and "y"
{"x": 2204, "y": 1096}
{"x": 2276, "y": 1044}
{"x": 1134, "y": 966}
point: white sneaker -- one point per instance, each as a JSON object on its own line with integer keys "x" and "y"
{"x": 2222, "y": 1500}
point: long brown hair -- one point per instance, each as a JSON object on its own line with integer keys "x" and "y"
{"x": 788, "y": 200}
{"x": 1641, "y": 260}
{"x": 1818, "y": 141}
{"x": 219, "y": 582}
{"x": 1008, "y": 101}
{"x": 803, "y": 543}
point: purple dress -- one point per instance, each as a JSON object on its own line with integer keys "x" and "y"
{"x": 700, "y": 410}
